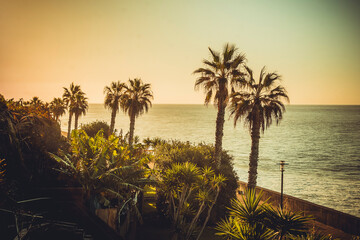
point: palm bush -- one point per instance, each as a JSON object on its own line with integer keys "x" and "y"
{"x": 286, "y": 224}
{"x": 202, "y": 155}
{"x": 190, "y": 192}
{"x": 249, "y": 219}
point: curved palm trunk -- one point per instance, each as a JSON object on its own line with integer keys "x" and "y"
{"x": 254, "y": 154}
{"x": 112, "y": 122}
{"x": 69, "y": 125}
{"x": 219, "y": 132}
{"x": 132, "y": 128}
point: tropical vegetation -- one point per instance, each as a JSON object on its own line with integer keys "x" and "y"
{"x": 218, "y": 77}
{"x": 111, "y": 173}
{"x": 194, "y": 184}
{"x": 166, "y": 153}
{"x": 250, "y": 219}
{"x": 258, "y": 104}
{"x": 190, "y": 191}
{"x": 28, "y": 132}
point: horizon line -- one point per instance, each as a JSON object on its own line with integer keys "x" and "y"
{"x": 297, "y": 104}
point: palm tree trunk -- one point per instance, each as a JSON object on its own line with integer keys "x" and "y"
{"x": 254, "y": 154}
{"x": 76, "y": 121}
{"x": 112, "y": 122}
{"x": 220, "y": 119}
{"x": 69, "y": 125}
{"x": 132, "y": 128}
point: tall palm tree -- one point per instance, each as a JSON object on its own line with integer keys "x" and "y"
{"x": 79, "y": 108}
{"x": 57, "y": 108}
{"x": 114, "y": 93}
{"x": 258, "y": 104}
{"x": 217, "y": 78}
{"x": 70, "y": 96}
{"x": 136, "y": 101}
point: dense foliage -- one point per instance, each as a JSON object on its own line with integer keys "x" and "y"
{"x": 93, "y": 128}
{"x": 110, "y": 171}
{"x": 104, "y": 166}
{"x": 190, "y": 192}
{"x": 28, "y": 132}
{"x": 249, "y": 219}
{"x": 202, "y": 155}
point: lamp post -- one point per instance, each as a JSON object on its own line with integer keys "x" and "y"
{"x": 282, "y": 164}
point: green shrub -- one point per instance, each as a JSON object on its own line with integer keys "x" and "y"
{"x": 191, "y": 192}
{"x": 27, "y": 134}
{"x": 165, "y": 154}
{"x": 93, "y": 128}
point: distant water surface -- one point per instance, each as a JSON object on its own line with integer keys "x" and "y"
{"x": 320, "y": 143}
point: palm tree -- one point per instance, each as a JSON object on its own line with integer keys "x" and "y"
{"x": 79, "y": 108}
{"x": 58, "y": 108}
{"x": 219, "y": 75}
{"x": 113, "y": 97}
{"x": 136, "y": 101}
{"x": 70, "y": 96}
{"x": 257, "y": 105}
{"x": 35, "y": 101}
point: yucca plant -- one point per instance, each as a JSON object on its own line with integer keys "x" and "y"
{"x": 249, "y": 218}
{"x": 190, "y": 190}
{"x": 285, "y": 223}
{"x": 246, "y": 218}
{"x": 232, "y": 228}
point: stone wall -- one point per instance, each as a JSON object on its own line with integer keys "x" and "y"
{"x": 328, "y": 216}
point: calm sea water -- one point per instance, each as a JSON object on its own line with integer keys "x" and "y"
{"x": 320, "y": 143}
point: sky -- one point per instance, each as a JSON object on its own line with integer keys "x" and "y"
{"x": 47, "y": 44}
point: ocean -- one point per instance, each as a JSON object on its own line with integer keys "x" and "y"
{"x": 321, "y": 144}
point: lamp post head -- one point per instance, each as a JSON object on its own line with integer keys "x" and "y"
{"x": 282, "y": 164}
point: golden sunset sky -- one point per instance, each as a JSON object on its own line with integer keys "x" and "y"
{"x": 47, "y": 44}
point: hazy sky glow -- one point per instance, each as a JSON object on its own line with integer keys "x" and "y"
{"x": 45, "y": 45}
